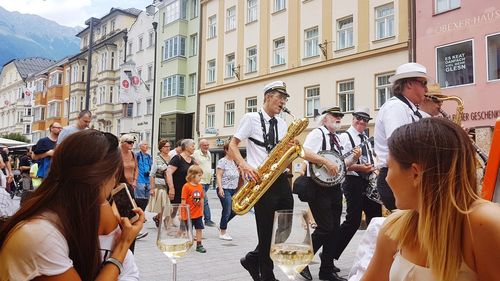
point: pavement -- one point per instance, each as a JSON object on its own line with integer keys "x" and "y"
{"x": 221, "y": 262}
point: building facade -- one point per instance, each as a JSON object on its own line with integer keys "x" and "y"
{"x": 137, "y": 115}
{"x": 328, "y": 52}
{"x": 459, "y": 43}
{"x": 177, "y": 69}
{"x": 108, "y": 53}
{"x": 15, "y": 106}
{"x": 50, "y": 88}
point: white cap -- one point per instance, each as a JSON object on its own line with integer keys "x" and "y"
{"x": 363, "y": 112}
{"x": 410, "y": 70}
{"x": 278, "y": 86}
{"x": 127, "y": 137}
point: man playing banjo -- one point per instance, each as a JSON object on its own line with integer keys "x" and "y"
{"x": 326, "y": 206}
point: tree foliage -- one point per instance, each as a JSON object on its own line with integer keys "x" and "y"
{"x": 16, "y": 137}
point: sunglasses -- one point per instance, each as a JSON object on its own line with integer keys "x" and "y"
{"x": 129, "y": 142}
{"x": 360, "y": 118}
{"x": 422, "y": 83}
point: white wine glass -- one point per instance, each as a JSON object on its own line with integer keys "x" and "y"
{"x": 291, "y": 245}
{"x": 175, "y": 234}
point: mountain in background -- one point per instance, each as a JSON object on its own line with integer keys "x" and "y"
{"x": 25, "y": 35}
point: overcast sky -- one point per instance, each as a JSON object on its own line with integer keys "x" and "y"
{"x": 70, "y": 12}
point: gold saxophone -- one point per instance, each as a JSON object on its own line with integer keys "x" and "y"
{"x": 276, "y": 162}
{"x": 457, "y": 119}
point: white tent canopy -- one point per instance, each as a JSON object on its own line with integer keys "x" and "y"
{"x": 9, "y": 142}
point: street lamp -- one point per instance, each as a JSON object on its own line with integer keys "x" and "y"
{"x": 150, "y": 10}
{"x": 90, "y": 22}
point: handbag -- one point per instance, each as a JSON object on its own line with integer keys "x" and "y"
{"x": 304, "y": 187}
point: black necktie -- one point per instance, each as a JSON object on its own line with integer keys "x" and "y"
{"x": 271, "y": 137}
{"x": 334, "y": 144}
{"x": 364, "y": 149}
{"x": 418, "y": 114}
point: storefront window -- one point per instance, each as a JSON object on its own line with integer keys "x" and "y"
{"x": 493, "y": 57}
{"x": 455, "y": 64}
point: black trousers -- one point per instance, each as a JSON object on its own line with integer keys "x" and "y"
{"x": 385, "y": 191}
{"x": 277, "y": 197}
{"x": 326, "y": 208}
{"x": 354, "y": 189}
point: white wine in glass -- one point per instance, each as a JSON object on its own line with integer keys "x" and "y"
{"x": 291, "y": 245}
{"x": 175, "y": 234}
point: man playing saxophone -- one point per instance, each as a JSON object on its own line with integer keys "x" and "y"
{"x": 431, "y": 105}
{"x": 263, "y": 130}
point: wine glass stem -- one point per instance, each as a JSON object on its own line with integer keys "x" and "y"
{"x": 174, "y": 272}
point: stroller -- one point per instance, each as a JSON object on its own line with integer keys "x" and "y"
{"x": 16, "y": 186}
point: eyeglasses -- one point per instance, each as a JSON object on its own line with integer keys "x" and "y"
{"x": 423, "y": 83}
{"x": 282, "y": 97}
{"x": 129, "y": 142}
{"x": 360, "y": 118}
{"x": 56, "y": 127}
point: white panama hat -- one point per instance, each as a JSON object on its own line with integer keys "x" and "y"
{"x": 410, "y": 70}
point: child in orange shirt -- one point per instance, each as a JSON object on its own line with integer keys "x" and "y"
{"x": 193, "y": 194}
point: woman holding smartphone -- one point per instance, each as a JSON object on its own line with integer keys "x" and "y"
{"x": 55, "y": 234}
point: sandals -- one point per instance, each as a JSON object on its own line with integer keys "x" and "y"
{"x": 157, "y": 221}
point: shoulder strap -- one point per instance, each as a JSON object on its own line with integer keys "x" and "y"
{"x": 405, "y": 101}
{"x": 323, "y": 145}
{"x": 352, "y": 141}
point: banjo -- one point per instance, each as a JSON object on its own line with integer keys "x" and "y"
{"x": 321, "y": 175}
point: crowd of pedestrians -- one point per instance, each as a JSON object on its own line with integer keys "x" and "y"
{"x": 65, "y": 183}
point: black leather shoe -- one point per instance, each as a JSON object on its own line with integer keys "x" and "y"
{"x": 306, "y": 274}
{"x": 252, "y": 268}
{"x": 335, "y": 269}
{"x": 331, "y": 277}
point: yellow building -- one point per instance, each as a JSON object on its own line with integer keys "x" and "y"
{"x": 51, "y": 97}
{"x": 108, "y": 52}
{"x": 328, "y": 52}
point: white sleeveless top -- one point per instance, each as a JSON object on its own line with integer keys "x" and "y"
{"x": 404, "y": 270}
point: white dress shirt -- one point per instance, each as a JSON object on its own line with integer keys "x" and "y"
{"x": 392, "y": 115}
{"x": 250, "y": 126}
{"x": 347, "y": 145}
{"x": 314, "y": 142}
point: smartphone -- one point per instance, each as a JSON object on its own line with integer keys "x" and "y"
{"x": 124, "y": 202}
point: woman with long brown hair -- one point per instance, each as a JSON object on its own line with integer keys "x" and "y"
{"x": 54, "y": 236}
{"x": 443, "y": 230}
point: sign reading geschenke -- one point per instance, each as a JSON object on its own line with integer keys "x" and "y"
{"x": 455, "y": 64}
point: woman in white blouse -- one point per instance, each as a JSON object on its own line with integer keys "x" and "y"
{"x": 227, "y": 183}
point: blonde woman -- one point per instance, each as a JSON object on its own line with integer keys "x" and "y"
{"x": 444, "y": 231}
{"x": 129, "y": 160}
{"x": 159, "y": 194}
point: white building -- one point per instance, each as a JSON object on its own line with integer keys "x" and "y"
{"x": 140, "y": 56}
